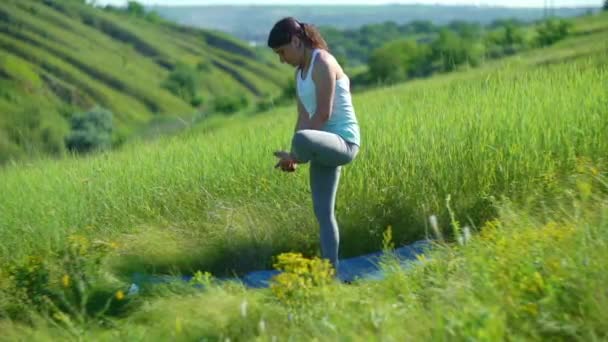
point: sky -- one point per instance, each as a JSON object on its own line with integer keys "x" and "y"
{"x": 513, "y": 3}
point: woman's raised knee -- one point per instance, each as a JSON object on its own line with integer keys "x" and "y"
{"x": 301, "y": 144}
{"x": 301, "y": 138}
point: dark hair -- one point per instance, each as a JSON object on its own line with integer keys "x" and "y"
{"x": 286, "y": 28}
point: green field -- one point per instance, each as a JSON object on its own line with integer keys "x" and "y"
{"x": 515, "y": 150}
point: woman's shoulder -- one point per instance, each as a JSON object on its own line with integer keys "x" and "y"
{"x": 325, "y": 57}
{"x": 328, "y": 62}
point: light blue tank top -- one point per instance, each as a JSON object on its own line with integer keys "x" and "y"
{"x": 342, "y": 120}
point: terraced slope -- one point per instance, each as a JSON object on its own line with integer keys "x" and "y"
{"x": 61, "y": 57}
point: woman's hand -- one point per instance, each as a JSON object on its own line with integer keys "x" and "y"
{"x": 286, "y": 161}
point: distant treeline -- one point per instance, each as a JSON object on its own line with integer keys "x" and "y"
{"x": 394, "y": 52}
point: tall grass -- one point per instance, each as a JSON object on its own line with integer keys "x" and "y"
{"x": 219, "y": 198}
{"x": 526, "y": 276}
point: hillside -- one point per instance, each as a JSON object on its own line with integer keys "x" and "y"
{"x": 62, "y": 57}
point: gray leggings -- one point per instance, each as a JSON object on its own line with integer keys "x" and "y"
{"x": 327, "y": 152}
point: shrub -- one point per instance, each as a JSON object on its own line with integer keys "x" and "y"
{"x": 229, "y": 104}
{"x": 70, "y": 292}
{"x": 183, "y": 82}
{"x": 301, "y": 278}
{"x": 35, "y": 131}
{"x": 552, "y": 31}
{"x": 265, "y": 104}
{"x": 8, "y": 150}
{"x": 91, "y": 130}
{"x": 289, "y": 90}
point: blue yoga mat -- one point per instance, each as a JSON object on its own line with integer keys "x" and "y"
{"x": 357, "y": 268}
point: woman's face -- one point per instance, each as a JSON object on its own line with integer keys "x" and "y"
{"x": 290, "y": 53}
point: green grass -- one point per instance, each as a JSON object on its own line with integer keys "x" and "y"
{"x": 519, "y": 147}
{"x": 524, "y": 276}
{"x": 421, "y": 143}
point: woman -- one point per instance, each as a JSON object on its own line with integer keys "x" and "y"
{"x": 327, "y": 132}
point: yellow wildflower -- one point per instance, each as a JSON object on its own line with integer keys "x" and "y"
{"x": 178, "y": 325}
{"x": 65, "y": 280}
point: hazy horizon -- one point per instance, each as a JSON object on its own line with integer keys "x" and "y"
{"x": 502, "y": 3}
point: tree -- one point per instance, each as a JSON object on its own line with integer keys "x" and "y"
{"x": 465, "y": 29}
{"x": 136, "y": 9}
{"x": 450, "y": 50}
{"x": 605, "y": 5}
{"x": 399, "y": 60}
{"x": 506, "y": 39}
{"x": 386, "y": 63}
{"x": 423, "y": 26}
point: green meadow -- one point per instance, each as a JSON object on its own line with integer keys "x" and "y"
{"x": 515, "y": 152}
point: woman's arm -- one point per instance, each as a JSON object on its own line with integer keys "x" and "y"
{"x": 303, "y": 117}
{"x": 303, "y": 120}
{"x": 324, "y": 77}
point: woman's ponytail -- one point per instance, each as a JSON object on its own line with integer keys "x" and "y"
{"x": 313, "y": 37}
{"x": 286, "y": 28}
